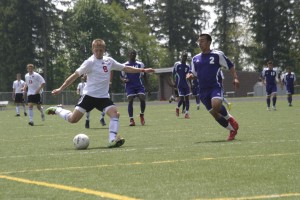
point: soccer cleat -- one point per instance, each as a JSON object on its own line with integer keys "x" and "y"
{"x": 233, "y": 123}
{"x": 87, "y": 124}
{"x": 43, "y": 116}
{"x": 142, "y": 119}
{"x": 50, "y": 111}
{"x": 232, "y": 135}
{"x": 30, "y": 123}
{"x": 274, "y": 107}
{"x": 132, "y": 123}
{"x": 177, "y": 112}
{"x": 17, "y": 115}
{"x": 290, "y": 105}
{"x": 25, "y": 114}
{"x": 229, "y": 106}
{"x": 268, "y": 109}
{"x": 116, "y": 143}
{"x": 183, "y": 111}
{"x": 102, "y": 122}
{"x": 186, "y": 116}
{"x": 198, "y": 107}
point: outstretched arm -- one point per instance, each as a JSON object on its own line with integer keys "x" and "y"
{"x": 66, "y": 84}
{"x": 236, "y": 81}
{"x": 129, "y": 69}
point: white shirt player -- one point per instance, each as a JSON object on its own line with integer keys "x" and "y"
{"x": 80, "y": 87}
{"x": 33, "y": 82}
{"x": 98, "y": 75}
{"x": 18, "y": 85}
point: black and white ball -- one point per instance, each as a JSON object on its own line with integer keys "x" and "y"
{"x": 81, "y": 141}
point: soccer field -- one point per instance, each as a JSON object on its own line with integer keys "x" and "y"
{"x": 168, "y": 158}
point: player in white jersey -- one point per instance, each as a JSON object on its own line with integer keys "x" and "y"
{"x": 34, "y": 87}
{"x": 95, "y": 93}
{"x": 18, "y": 94}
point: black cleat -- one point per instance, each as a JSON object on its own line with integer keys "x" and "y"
{"x": 87, "y": 124}
{"x": 102, "y": 122}
{"x": 31, "y": 123}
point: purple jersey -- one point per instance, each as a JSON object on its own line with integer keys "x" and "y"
{"x": 289, "y": 79}
{"x": 207, "y": 68}
{"x": 135, "y": 83}
{"x": 180, "y": 71}
{"x": 270, "y": 76}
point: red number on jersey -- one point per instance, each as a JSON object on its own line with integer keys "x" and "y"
{"x": 105, "y": 69}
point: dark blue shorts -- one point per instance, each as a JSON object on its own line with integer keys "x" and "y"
{"x": 206, "y": 95}
{"x": 271, "y": 89}
{"x": 134, "y": 91}
{"x": 184, "y": 91}
{"x": 289, "y": 89}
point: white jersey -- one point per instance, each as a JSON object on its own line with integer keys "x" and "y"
{"x": 98, "y": 75}
{"x": 33, "y": 82}
{"x": 80, "y": 87}
{"x": 18, "y": 86}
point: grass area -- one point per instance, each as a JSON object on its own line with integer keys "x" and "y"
{"x": 168, "y": 158}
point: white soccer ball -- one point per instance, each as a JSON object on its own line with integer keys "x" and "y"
{"x": 81, "y": 141}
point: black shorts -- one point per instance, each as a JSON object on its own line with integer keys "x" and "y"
{"x": 89, "y": 103}
{"x": 19, "y": 98}
{"x": 34, "y": 98}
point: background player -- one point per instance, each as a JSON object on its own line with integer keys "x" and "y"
{"x": 134, "y": 86}
{"x": 269, "y": 77}
{"x": 289, "y": 80}
{"x": 18, "y": 94}
{"x": 35, "y": 84}
{"x": 180, "y": 71}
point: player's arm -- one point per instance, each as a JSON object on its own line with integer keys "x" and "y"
{"x": 129, "y": 69}
{"x": 66, "y": 84}
{"x": 236, "y": 81}
{"x": 14, "y": 94}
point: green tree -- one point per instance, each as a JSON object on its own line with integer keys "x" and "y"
{"x": 272, "y": 33}
{"x": 228, "y": 28}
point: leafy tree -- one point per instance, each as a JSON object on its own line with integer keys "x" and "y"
{"x": 177, "y": 23}
{"x": 228, "y": 29}
{"x": 270, "y": 24}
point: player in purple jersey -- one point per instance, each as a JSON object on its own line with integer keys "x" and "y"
{"x": 206, "y": 67}
{"x": 98, "y": 69}
{"x": 180, "y": 70}
{"x": 269, "y": 76}
{"x": 289, "y": 80}
{"x": 195, "y": 92}
{"x": 135, "y": 87}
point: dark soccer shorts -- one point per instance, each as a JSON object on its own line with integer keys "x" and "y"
{"x": 34, "y": 98}
{"x": 89, "y": 103}
{"x": 19, "y": 98}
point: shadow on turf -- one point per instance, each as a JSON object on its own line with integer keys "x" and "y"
{"x": 215, "y": 141}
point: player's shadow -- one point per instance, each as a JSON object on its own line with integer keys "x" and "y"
{"x": 215, "y": 141}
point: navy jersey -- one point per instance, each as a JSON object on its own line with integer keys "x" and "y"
{"x": 270, "y": 76}
{"x": 180, "y": 71}
{"x": 289, "y": 79}
{"x": 134, "y": 79}
{"x": 207, "y": 68}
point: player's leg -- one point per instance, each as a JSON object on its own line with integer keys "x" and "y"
{"x": 142, "y": 98}
{"x": 39, "y": 106}
{"x": 30, "y": 112}
{"x": 87, "y": 121}
{"x": 17, "y": 109}
{"x": 180, "y": 102}
{"x": 197, "y": 99}
{"x": 130, "y": 110}
{"x": 114, "y": 140}
{"x": 102, "y": 121}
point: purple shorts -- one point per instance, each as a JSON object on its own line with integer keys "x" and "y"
{"x": 134, "y": 91}
{"x": 271, "y": 89}
{"x": 206, "y": 95}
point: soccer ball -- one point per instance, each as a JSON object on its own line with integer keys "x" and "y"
{"x": 81, "y": 141}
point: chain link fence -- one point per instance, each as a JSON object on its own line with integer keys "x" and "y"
{"x": 71, "y": 98}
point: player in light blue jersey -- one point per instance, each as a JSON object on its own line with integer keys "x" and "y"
{"x": 180, "y": 70}
{"x": 134, "y": 86}
{"x": 269, "y": 76}
{"x": 289, "y": 80}
{"x": 206, "y": 67}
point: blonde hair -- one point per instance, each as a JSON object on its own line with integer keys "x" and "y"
{"x": 30, "y": 65}
{"x": 98, "y": 42}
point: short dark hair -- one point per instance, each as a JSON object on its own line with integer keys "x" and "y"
{"x": 208, "y": 37}
{"x": 270, "y": 62}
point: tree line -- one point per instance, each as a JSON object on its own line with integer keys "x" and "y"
{"x": 57, "y": 41}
